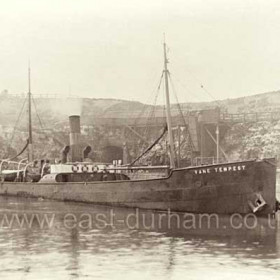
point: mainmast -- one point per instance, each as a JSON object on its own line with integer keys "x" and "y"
{"x": 168, "y": 114}
{"x": 30, "y": 140}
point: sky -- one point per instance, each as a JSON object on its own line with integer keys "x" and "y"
{"x": 113, "y": 48}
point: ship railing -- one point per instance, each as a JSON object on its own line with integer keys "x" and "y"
{"x": 203, "y": 161}
{"x": 18, "y": 167}
{"x": 148, "y": 167}
{"x": 85, "y": 163}
{"x": 142, "y": 172}
{"x": 146, "y": 175}
{"x": 198, "y": 161}
{"x": 16, "y": 164}
{"x": 111, "y": 167}
{"x": 21, "y": 162}
{"x": 43, "y": 168}
{"x": 32, "y": 163}
{"x": 207, "y": 161}
{"x": 25, "y": 169}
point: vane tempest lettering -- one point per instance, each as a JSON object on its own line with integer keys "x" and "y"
{"x": 220, "y": 169}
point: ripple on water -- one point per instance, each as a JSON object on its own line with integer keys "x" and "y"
{"x": 126, "y": 253}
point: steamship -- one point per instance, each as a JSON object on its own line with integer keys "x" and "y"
{"x": 223, "y": 188}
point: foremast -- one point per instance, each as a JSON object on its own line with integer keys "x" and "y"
{"x": 168, "y": 113}
{"x": 30, "y": 140}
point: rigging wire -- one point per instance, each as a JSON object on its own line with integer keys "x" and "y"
{"x": 203, "y": 87}
{"x": 21, "y": 152}
{"x": 151, "y": 115}
{"x": 144, "y": 108}
{"x": 215, "y": 100}
{"x": 150, "y": 147}
{"x": 199, "y": 99}
{"x": 17, "y": 121}
{"x": 189, "y": 140}
{"x": 165, "y": 144}
{"x": 43, "y": 128}
{"x": 41, "y": 123}
{"x": 241, "y": 130}
{"x": 153, "y": 108}
{"x": 146, "y": 105}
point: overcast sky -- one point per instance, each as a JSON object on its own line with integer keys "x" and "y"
{"x": 113, "y": 48}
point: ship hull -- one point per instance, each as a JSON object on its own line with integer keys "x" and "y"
{"x": 222, "y": 188}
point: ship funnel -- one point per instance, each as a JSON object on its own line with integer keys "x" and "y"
{"x": 76, "y": 153}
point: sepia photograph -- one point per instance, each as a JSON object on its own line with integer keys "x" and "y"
{"x": 140, "y": 139}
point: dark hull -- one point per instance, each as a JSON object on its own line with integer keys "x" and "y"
{"x": 222, "y": 188}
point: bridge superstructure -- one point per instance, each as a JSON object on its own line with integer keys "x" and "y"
{"x": 199, "y": 126}
{"x": 206, "y": 127}
{"x": 250, "y": 117}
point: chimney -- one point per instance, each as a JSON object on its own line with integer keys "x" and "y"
{"x": 76, "y": 153}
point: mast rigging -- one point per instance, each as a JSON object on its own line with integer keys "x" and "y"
{"x": 168, "y": 113}
{"x": 30, "y": 140}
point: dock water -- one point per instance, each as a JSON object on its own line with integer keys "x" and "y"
{"x": 82, "y": 241}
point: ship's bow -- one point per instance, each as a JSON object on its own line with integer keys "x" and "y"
{"x": 263, "y": 199}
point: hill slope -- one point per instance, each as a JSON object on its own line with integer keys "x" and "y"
{"x": 242, "y": 141}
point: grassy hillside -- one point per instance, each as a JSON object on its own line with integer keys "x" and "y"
{"x": 51, "y": 127}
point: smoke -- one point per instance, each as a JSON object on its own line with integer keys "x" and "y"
{"x": 68, "y": 106}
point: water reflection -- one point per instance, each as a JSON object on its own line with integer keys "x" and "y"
{"x": 64, "y": 251}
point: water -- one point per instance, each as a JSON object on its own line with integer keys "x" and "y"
{"x": 78, "y": 249}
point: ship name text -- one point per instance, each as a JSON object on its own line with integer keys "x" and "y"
{"x": 220, "y": 169}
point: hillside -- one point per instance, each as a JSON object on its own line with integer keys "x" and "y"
{"x": 51, "y": 127}
{"x": 57, "y": 109}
